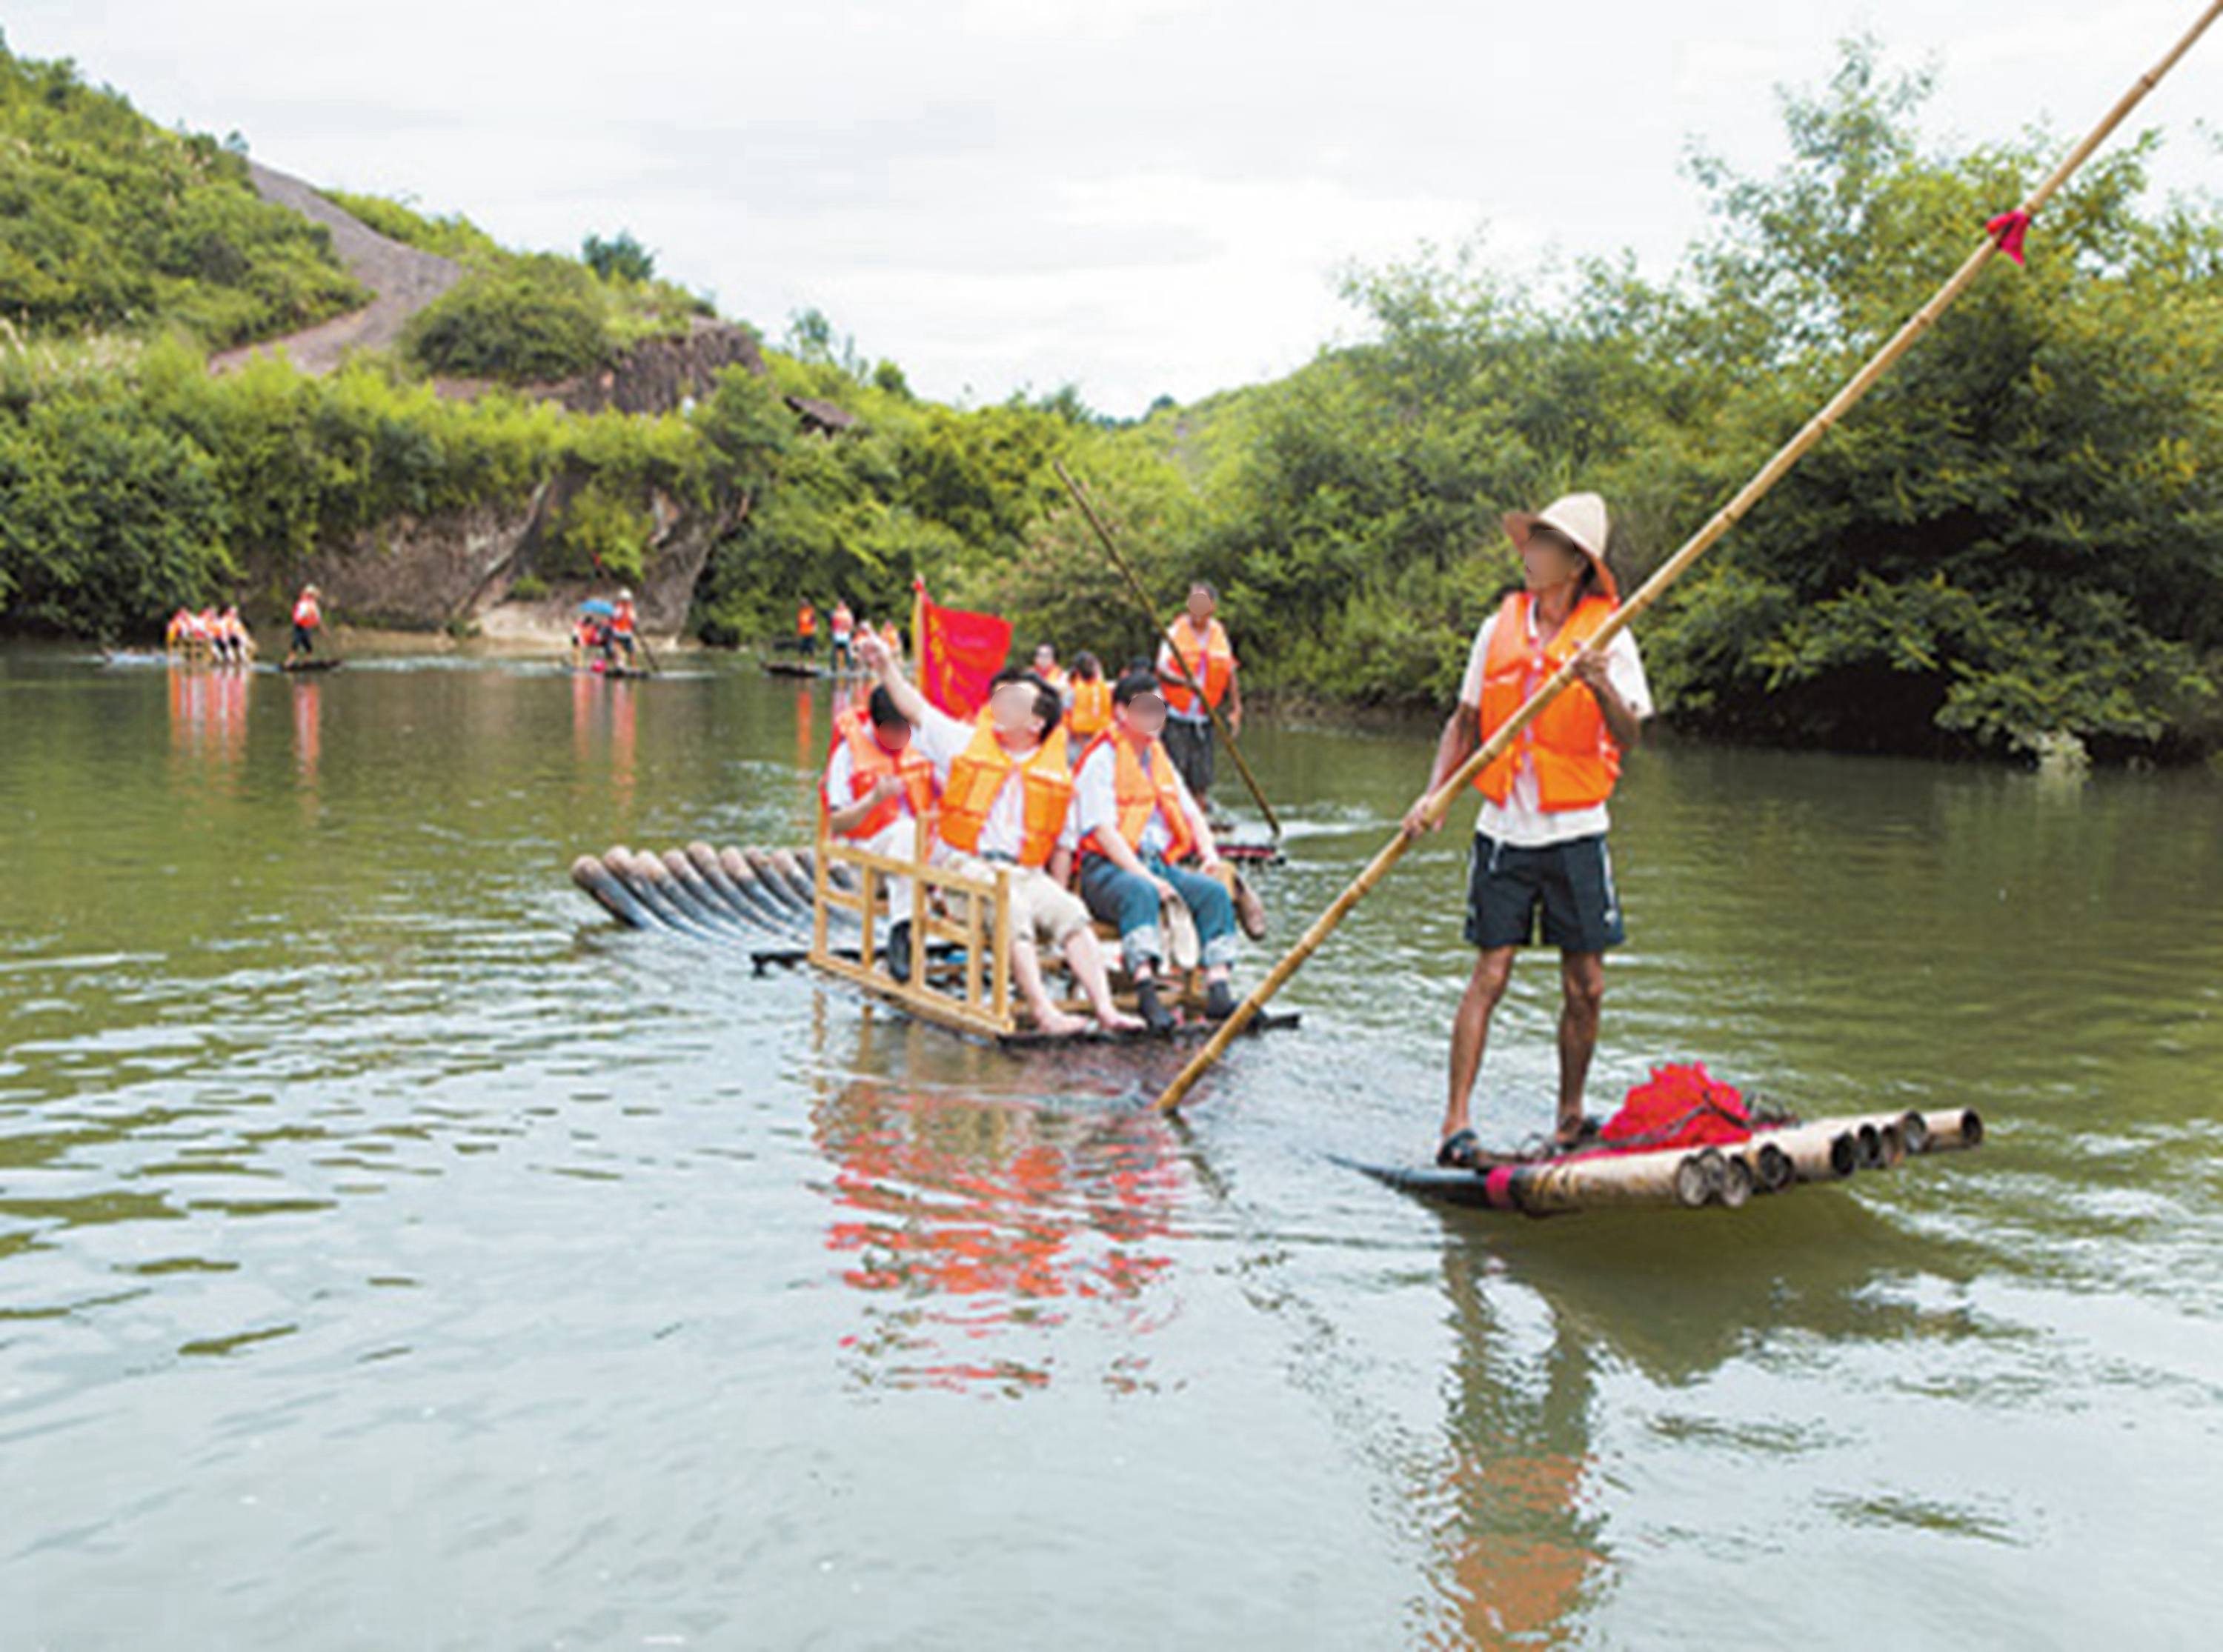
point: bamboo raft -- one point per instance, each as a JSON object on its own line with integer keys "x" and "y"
{"x": 1773, "y": 1159}
{"x": 791, "y": 907}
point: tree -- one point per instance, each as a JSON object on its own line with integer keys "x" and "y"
{"x": 621, "y": 258}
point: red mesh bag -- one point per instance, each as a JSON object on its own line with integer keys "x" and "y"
{"x": 1682, "y": 1105}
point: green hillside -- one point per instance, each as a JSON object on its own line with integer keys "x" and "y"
{"x": 108, "y": 222}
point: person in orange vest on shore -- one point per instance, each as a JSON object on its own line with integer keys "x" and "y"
{"x": 1211, "y": 660}
{"x": 1088, "y": 698}
{"x": 844, "y": 628}
{"x": 1006, "y": 789}
{"x": 1137, "y": 824}
{"x": 879, "y": 792}
{"x": 806, "y": 630}
{"x": 308, "y": 620}
{"x": 178, "y": 635}
{"x": 623, "y": 623}
{"x": 1540, "y": 845}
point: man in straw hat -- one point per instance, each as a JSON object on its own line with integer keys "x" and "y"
{"x": 1539, "y": 840}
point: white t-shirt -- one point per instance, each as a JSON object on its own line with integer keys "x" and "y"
{"x": 840, "y": 769}
{"x": 1096, "y": 801}
{"x": 1521, "y": 820}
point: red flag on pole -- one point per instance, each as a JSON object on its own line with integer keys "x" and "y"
{"x": 957, "y": 652}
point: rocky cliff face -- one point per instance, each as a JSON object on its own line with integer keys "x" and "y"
{"x": 661, "y": 375}
{"x": 459, "y": 569}
{"x": 425, "y": 573}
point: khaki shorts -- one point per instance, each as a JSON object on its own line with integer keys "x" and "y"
{"x": 1040, "y": 908}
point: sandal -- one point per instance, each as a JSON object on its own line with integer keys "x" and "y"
{"x": 1461, "y": 1150}
{"x": 1586, "y": 1133}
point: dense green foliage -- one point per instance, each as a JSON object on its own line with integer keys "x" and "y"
{"x": 108, "y": 221}
{"x": 2020, "y": 534}
{"x": 532, "y": 318}
{"x": 132, "y": 484}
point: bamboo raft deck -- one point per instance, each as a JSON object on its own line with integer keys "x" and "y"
{"x": 1774, "y": 1160}
{"x": 824, "y": 909}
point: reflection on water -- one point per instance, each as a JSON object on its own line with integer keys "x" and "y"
{"x": 390, "y": 1253}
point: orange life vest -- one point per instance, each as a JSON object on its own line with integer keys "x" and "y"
{"x": 304, "y": 612}
{"x": 892, "y": 638}
{"x": 1139, "y": 795}
{"x": 1577, "y": 760}
{"x": 1212, "y": 664}
{"x": 806, "y": 621}
{"x": 1091, "y": 707}
{"x": 868, "y": 760}
{"x": 844, "y": 622}
{"x": 621, "y": 622}
{"x": 977, "y": 778}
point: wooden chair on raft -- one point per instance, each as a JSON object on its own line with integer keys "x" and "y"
{"x": 960, "y": 942}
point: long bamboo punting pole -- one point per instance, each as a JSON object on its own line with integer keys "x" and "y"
{"x": 1151, "y": 613}
{"x": 1438, "y": 802}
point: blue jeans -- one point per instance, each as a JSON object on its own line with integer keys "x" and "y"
{"x": 1131, "y": 902}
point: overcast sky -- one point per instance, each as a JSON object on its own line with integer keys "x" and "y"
{"x": 1139, "y": 196}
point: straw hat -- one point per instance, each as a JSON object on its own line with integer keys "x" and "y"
{"x": 1578, "y": 517}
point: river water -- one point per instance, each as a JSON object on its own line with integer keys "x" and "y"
{"x": 393, "y": 1253}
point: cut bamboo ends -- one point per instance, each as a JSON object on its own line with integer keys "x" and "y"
{"x": 1729, "y": 1175}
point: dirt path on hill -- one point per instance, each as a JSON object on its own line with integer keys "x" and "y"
{"x": 405, "y": 278}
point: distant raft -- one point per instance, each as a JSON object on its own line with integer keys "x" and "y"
{"x": 1774, "y": 1160}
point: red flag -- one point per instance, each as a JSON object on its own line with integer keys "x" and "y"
{"x": 958, "y": 651}
{"x": 2008, "y": 230}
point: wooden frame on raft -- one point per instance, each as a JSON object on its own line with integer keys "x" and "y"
{"x": 981, "y": 1001}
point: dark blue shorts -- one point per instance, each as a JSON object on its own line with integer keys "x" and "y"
{"x": 1571, "y": 884}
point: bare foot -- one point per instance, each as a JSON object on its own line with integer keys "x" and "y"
{"x": 1059, "y": 1025}
{"x": 1118, "y": 1020}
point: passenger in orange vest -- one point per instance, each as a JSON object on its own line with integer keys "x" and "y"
{"x": 878, "y": 788}
{"x": 1006, "y": 788}
{"x": 806, "y": 630}
{"x": 1045, "y": 667}
{"x": 232, "y": 642}
{"x": 1539, "y": 840}
{"x": 844, "y": 627}
{"x": 308, "y": 620}
{"x": 1089, "y": 700}
{"x": 1138, "y": 822}
{"x": 1211, "y": 660}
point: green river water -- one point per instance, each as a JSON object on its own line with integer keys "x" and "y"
{"x": 394, "y": 1253}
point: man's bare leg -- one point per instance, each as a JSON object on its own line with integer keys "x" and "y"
{"x": 1086, "y": 959}
{"x": 1470, "y": 1032}
{"x": 1582, "y": 975}
{"x": 1026, "y": 969}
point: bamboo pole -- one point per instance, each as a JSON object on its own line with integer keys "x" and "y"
{"x": 1438, "y": 802}
{"x": 1150, "y": 612}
